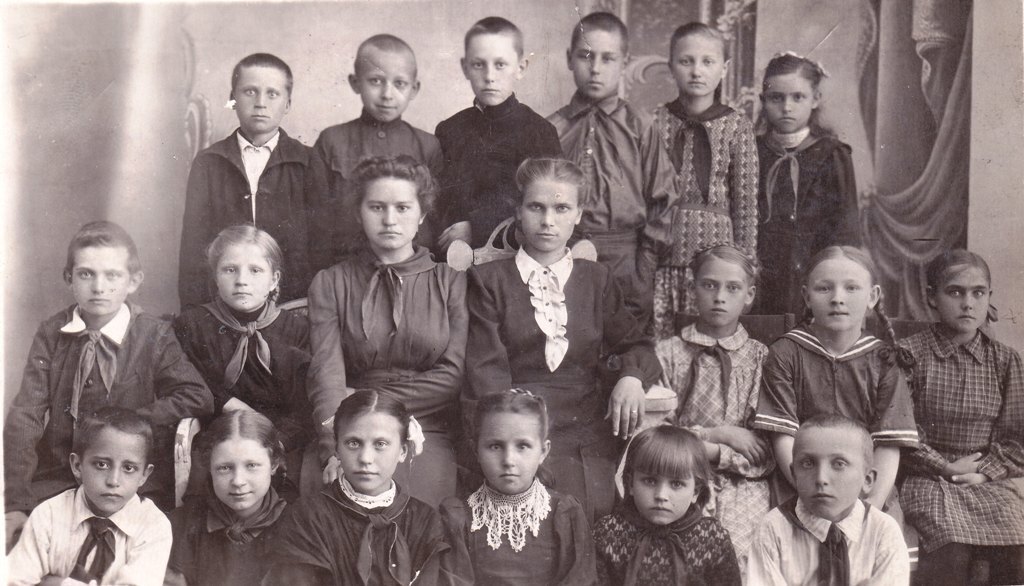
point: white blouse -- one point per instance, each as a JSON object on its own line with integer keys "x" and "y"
{"x": 547, "y": 295}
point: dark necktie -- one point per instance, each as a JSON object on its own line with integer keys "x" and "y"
{"x": 100, "y": 539}
{"x": 833, "y": 559}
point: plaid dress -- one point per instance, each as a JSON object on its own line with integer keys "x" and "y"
{"x": 739, "y": 489}
{"x": 967, "y": 399}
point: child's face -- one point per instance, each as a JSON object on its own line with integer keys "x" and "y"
{"x": 722, "y": 291}
{"x": 492, "y": 67}
{"x": 386, "y": 82}
{"x": 245, "y": 277}
{"x": 369, "y": 449}
{"x": 111, "y": 470}
{"x": 963, "y": 301}
{"x": 789, "y": 102}
{"x": 829, "y": 470}
{"x": 839, "y": 292}
{"x": 261, "y": 101}
{"x": 549, "y": 212}
{"x": 510, "y": 449}
{"x": 100, "y": 281}
{"x": 698, "y": 65}
{"x": 390, "y": 214}
{"x": 241, "y": 469}
{"x": 596, "y": 63}
{"x": 660, "y": 499}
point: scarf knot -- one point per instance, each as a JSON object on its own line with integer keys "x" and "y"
{"x": 716, "y": 351}
{"x": 650, "y": 534}
{"x": 787, "y": 156}
{"x": 98, "y": 351}
{"x": 250, "y": 330}
{"x": 384, "y": 291}
{"x": 238, "y": 530}
{"x": 101, "y": 539}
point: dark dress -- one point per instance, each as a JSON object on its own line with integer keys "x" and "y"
{"x": 791, "y": 230}
{"x": 280, "y": 394}
{"x": 561, "y": 553}
{"x": 204, "y": 555}
{"x": 506, "y": 350}
{"x": 482, "y": 149}
{"x": 693, "y": 550}
{"x": 357, "y": 345}
{"x": 328, "y": 539}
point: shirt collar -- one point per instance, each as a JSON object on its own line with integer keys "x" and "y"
{"x": 499, "y": 110}
{"x": 579, "y": 104}
{"x": 369, "y": 120}
{"x": 731, "y": 343}
{"x": 852, "y": 525}
{"x": 808, "y": 340}
{"x": 116, "y": 329}
{"x": 528, "y": 266}
{"x": 270, "y": 144}
{"x": 943, "y": 346}
{"x": 127, "y": 520}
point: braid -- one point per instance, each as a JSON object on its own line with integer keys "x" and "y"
{"x": 904, "y": 359}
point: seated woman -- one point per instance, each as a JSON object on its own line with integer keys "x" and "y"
{"x": 252, "y": 355}
{"x": 390, "y": 319}
{"x": 544, "y": 321}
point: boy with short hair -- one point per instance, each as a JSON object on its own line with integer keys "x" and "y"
{"x": 99, "y": 352}
{"x": 386, "y": 79}
{"x": 101, "y": 531}
{"x": 484, "y": 145}
{"x": 827, "y": 534}
{"x": 629, "y": 174}
{"x": 259, "y": 176}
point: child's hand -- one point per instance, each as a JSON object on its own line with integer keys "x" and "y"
{"x": 236, "y": 404}
{"x": 747, "y": 443}
{"x": 457, "y": 231}
{"x": 969, "y": 479}
{"x": 14, "y": 521}
{"x": 965, "y": 465}
{"x": 331, "y": 470}
{"x": 626, "y": 406}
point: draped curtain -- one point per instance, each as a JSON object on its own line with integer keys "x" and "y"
{"x": 920, "y": 134}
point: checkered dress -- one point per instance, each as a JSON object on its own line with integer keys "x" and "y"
{"x": 740, "y": 490}
{"x": 967, "y": 399}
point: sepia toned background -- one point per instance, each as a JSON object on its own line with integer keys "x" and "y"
{"x": 108, "y": 104}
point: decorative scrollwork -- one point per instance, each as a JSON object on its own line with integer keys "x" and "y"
{"x": 637, "y": 70}
{"x": 198, "y": 128}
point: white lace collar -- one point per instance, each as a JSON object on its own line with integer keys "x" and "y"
{"x": 509, "y": 514}
{"x": 366, "y": 501}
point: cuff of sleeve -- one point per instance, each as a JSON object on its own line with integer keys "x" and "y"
{"x": 634, "y": 372}
{"x": 725, "y": 457}
{"x": 991, "y": 467}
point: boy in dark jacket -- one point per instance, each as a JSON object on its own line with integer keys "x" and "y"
{"x": 260, "y": 176}
{"x": 99, "y": 352}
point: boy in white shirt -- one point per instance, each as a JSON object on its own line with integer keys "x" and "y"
{"x": 828, "y": 535}
{"x": 100, "y": 532}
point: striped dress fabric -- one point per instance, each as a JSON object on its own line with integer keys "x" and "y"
{"x": 803, "y": 379}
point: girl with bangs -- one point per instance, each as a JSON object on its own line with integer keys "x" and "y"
{"x": 658, "y": 534}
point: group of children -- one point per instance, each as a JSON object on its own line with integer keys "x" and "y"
{"x": 470, "y": 428}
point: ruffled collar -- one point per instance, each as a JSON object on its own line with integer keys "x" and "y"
{"x": 366, "y": 501}
{"x": 509, "y": 515}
